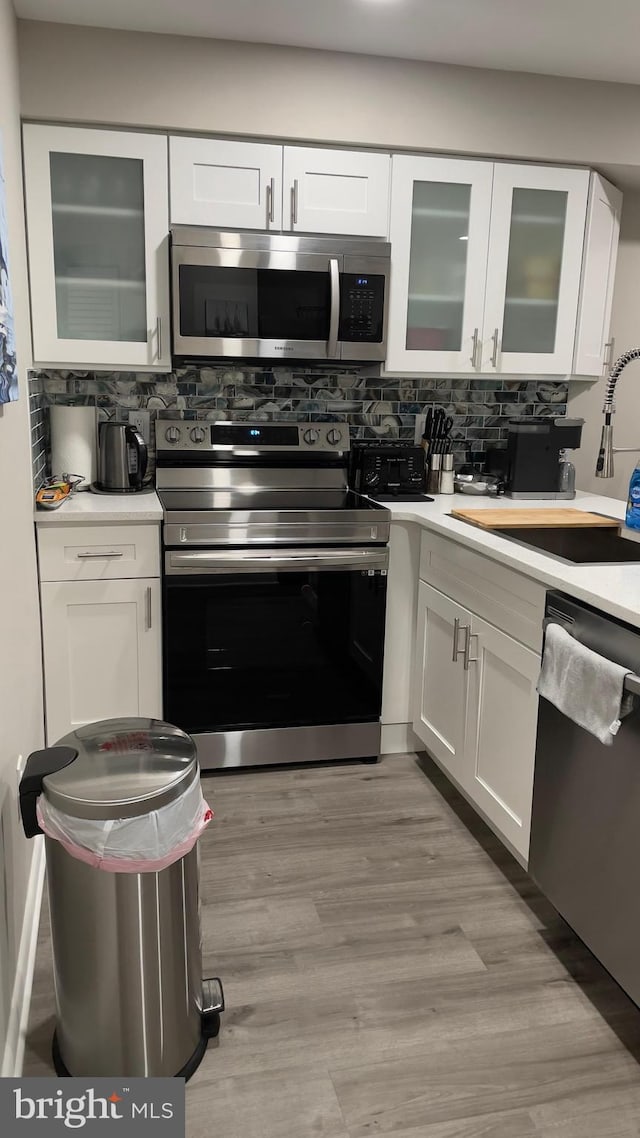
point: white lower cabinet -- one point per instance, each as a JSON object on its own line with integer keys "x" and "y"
{"x": 475, "y": 710}
{"x": 501, "y": 730}
{"x": 440, "y": 706}
{"x": 102, "y": 651}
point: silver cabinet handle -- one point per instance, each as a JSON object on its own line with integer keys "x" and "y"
{"x": 99, "y": 556}
{"x": 159, "y": 335}
{"x": 474, "y": 348}
{"x": 456, "y": 637}
{"x": 494, "y": 354}
{"x": 608, "y": 354}
{"x": 334, "y": 317}
{"x": 149, "y": 609}
{"x": 468, "y": 658}
{"x": 270, "y": 194}
{"x": 294, "y": 202}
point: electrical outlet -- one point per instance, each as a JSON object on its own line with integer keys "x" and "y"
{"x": 21, "y": 763}
{"x": 141, "y": 421}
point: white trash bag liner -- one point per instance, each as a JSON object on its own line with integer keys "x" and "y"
{"x": 146, "y": 844}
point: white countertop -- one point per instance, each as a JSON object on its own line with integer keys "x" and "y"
{"x": 613, "y": 588}
{"x": 86, "y": 508}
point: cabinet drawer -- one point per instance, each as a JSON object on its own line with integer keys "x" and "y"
{"x": 507, "y": 599}
{"x": 98, "y": 553}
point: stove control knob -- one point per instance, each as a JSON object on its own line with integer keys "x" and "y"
{"x": 197, "y": 434}
{"x": 172, "y": 434}
{"x": 310, "y": 437}
{"x": 334, "y": 437}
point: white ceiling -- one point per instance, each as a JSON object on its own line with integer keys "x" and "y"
{"x": 591, "y": 39}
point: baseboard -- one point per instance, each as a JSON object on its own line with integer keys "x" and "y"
{"x": 13, "y": 1057}
{"x": 399, "y": 739}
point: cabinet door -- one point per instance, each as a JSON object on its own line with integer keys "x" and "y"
{"x": 501, "y": 731}
{"x": 231, "y": 185}
{"x": 102, "y": 652}
{"x": 336, "y": 191}
{"x": 534, "y": 266}
{"x": 441, "y": 683}
{"x": 440, "y": 211}
{"x": 97, "y": 225}
{"x": 594, "y": 349}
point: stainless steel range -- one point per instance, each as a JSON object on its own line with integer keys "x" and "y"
{"x": 274, "y": 591}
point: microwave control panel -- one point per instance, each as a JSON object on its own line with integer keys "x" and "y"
{"x": 361, "y": 308}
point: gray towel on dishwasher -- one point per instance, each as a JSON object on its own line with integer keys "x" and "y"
{"x": 584, "y": 686}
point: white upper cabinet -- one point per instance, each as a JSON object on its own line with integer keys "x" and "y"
{"x": 440, "y": 214}
{"x": 533, "y": 269}
{"x": 97, "y": 222}
{"x": 493, "y": 272}
{"x": 227, "y": 185}
{"x": 594, "y": 349}
{"x": 251, "y": 185}
{"x": 336, "y": 191}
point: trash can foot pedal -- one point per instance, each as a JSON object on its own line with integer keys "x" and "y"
{"x": 212, "y": 1006}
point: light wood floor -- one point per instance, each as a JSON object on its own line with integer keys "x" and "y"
{"x": 388, "y": 969}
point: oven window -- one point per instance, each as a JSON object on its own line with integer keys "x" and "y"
{"x": 273, "y": 649}
{"x": 269, "y": 304}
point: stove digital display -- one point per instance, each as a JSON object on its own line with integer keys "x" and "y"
{"x": 243, "y": 434}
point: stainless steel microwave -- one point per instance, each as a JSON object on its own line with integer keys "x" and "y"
{"x": 275, "y": 296}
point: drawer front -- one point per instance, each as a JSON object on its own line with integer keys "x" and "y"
{"x": 98, "y": 553}
{"x": 507, "y": 599}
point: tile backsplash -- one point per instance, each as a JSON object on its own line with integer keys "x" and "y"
{"x": 373, "y": 406}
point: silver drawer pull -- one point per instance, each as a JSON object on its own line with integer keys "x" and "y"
{"x": 468, "y": 658}
{"x": 149, "y": 609}
{"x": 456, "y": 637}
{"x": 494, "y": 354}
{"x": 99, "y": 556}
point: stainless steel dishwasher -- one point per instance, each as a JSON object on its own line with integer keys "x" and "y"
{"x": 585, "y": 829}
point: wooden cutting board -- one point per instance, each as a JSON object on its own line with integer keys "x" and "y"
{"x": 532, "y": 519}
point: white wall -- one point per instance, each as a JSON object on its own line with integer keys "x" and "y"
{"x": 20, "y": 666}
{"x": 587, "y": 400}
{"x": 102, "y": 76}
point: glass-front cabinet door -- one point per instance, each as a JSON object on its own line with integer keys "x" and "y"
{"x": 440, "y": 214}
{"x": 97, "y": 222}
{"x": 533, "y": 269}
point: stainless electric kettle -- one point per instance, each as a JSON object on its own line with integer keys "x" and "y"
{"x": 122, "y": 459}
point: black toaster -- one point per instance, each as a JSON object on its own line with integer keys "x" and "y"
{"x": 387, "y": 469}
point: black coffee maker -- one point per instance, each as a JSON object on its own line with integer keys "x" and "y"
{"x": 533, "y": 460}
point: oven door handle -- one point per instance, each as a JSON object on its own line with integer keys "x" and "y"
{"x": 334, "y": 313}
{"x": 248, "y": 561}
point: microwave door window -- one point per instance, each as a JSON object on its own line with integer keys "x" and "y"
{"x": 293, "y": 304}
{"x": 218, "y": 302}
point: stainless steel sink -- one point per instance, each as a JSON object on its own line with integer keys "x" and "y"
{"x": 575, "y": 545}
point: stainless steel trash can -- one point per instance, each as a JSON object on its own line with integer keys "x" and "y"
{"x": 130, "y": 997}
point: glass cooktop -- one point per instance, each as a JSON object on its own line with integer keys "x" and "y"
{"x": 307, "y": 501}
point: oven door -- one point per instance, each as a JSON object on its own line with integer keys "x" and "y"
{"x": 273, "y": 638}
{"x": 243, "y": 302}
